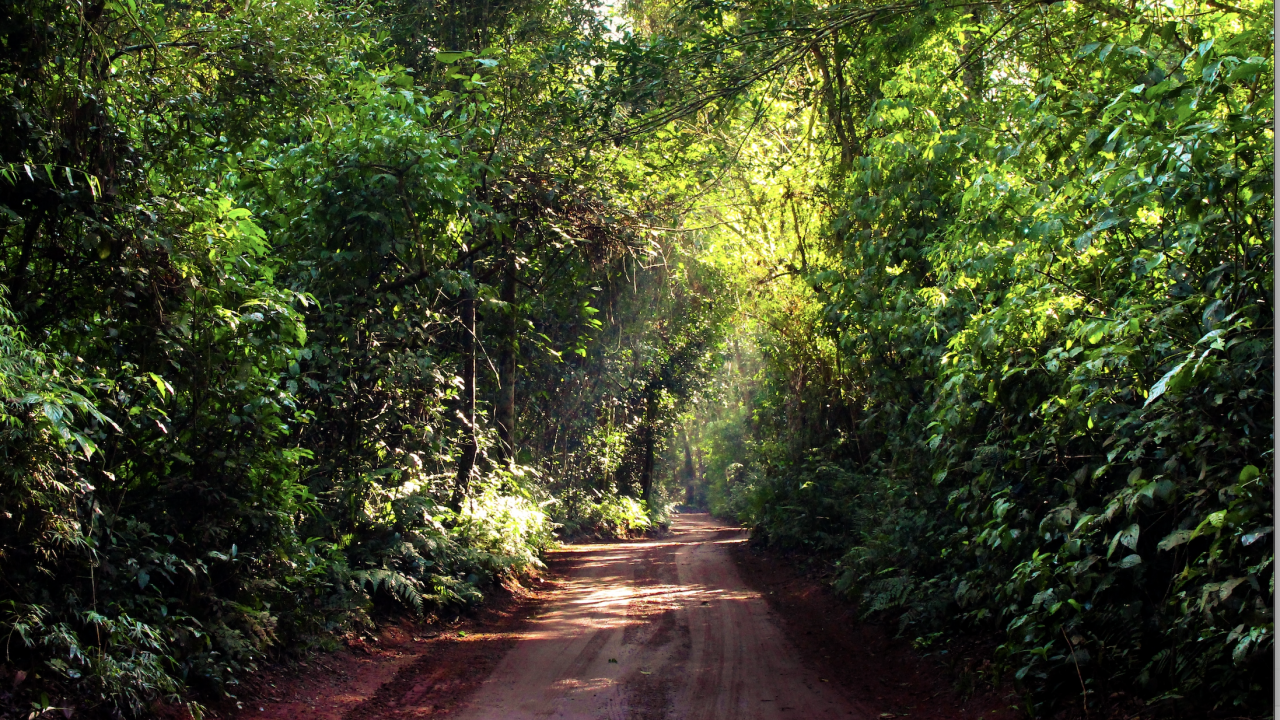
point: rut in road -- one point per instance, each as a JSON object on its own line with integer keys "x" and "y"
{"x": 658, "y": 629}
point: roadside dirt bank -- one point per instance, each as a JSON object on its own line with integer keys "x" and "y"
{"x": 865, "y": 657}
{"x": 899, "y": 680}
{"x": 431, "y": 665}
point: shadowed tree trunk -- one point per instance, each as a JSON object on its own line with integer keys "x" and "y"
{"x": 691, "y": 474}
{"x": 467, "y": 462}
{"x": 646, "y": 469}
{"x": 507, "y": 355}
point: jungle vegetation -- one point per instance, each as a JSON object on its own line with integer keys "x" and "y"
{"x": 317, "y": 312}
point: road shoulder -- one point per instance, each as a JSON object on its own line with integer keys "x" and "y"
{"x": 863, "y": 659}
{"x": 407, "y": 669}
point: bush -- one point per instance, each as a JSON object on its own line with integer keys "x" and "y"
{"x": 600, "y": 515}
{"x": 1060, "y": 357}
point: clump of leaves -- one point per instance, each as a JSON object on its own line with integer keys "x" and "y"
{"x": 1051, "y": 307}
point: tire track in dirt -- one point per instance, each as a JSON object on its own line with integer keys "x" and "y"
{"x": 658, "y": 632}
{"x": 653, "y": 630}
{"x": 659, "y": 629}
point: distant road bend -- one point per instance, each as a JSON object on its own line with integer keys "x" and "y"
{"x": 657, "y": 629}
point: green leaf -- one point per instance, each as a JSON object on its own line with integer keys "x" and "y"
{"x": 1174, "y": 539}
{"x": 1227, "y": 587}
{"x": 1256, "y": 535}
{"x": 162, "y": 387}
{"x": 1129, "y": 537}
{"x": 1165, "y": 383}
{"x": 448, "y": 57}
{"x": 87, "y": 446}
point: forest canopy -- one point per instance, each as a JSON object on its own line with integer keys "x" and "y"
{"x": 316, "y": 313}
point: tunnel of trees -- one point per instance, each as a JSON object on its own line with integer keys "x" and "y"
{"x": 316, "y": 312}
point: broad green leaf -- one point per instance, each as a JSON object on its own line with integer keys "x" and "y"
{"x": 1165, "y": 382}
{"x": 1129, "y": 561}
{"x": 1174, "y": 539}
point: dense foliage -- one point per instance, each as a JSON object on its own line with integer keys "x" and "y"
{"x": 307, "y": 321}
{"x": 314, "y": 313}
{"x": 1026, "y": 385}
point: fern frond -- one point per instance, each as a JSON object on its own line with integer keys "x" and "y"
{"x": 397, "y": 584}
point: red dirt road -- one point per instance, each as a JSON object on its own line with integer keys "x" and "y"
{"x": 657, "y": 629}
{"x": 676, "y": 628}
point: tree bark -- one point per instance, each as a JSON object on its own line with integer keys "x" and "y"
{"x": 18, "y": 284}
{"x": 833, "y": 88}
{"x": 646, "y": 469}
{"x": 507, "y": 355}
{"x": 691, "y": 473}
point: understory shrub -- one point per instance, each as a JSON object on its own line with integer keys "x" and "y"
{"x": 603, "y": 515}
{"x": 1039, "y": 403}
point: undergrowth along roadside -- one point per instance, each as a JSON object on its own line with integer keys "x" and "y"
{"x": 311, "y": 312}
{"x": 314, "y": 311}
{"x": 1014, "y": 361}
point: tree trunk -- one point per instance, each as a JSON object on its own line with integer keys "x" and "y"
{"x": 646, "y": 469}
{"x": 691, "y": 474}
{"x": 833, "y": 88}
{"x": 467, "y": 462}
{"x": 507, "y": 355}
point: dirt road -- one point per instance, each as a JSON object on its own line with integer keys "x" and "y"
{"x": 657, "y": 629}
{"x": 663, "y": 628}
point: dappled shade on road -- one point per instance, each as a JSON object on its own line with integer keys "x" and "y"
{"x": 657, "y": 629}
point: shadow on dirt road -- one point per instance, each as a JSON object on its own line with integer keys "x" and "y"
{"x": 653, "y": 629}
{"x": 656, "y": 629}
